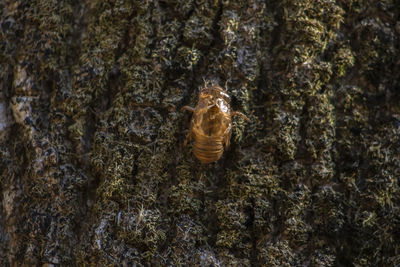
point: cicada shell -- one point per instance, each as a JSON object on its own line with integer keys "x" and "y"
{"x": 211, "y": 124}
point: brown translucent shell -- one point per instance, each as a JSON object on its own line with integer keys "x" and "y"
{"x": 211, "y": 124}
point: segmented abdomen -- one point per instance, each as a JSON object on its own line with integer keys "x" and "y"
{"x": 208, "y": 149}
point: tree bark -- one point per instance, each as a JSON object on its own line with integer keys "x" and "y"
{"x": 93, "y": 171}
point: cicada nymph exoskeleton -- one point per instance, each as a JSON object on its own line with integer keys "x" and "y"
{"x": 211, "y": 124}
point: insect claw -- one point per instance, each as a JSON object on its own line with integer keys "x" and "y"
{"x": 237, "y": 113}
{"x": 187, "y": 108}
{"x": 186, "y": 139}
{"x": 205, "y": 83}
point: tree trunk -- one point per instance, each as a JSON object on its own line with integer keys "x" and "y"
{"x": 93, "y": 170}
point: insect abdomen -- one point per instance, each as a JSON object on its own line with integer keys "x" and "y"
{"x": 208, "y": 149}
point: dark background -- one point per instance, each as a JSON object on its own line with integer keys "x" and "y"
{"x": 93, "y": 171}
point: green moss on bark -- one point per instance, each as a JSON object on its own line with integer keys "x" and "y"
{"x": 93, "y": 170}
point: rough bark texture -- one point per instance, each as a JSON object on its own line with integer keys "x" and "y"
{"x": 93, "y": 171}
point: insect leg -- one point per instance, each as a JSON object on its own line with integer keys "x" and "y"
{"x": 188, "y": 137}
{"x": 236, "y": 113}
{"x": 227, "y": 136}
{"x": 210, "y": 106}
{"x": 187, "y": 108}
{"x": 189, "y": 134}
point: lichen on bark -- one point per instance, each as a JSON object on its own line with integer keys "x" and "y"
{"x": 93, "y": 171}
